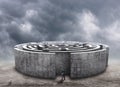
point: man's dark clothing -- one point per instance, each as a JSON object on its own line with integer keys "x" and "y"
{"x": 63, "y": 75}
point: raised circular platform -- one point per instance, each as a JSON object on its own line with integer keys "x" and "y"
{"x": 48, "y": 59}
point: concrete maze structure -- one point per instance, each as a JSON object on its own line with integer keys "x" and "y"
{"x": 48, "y": 59}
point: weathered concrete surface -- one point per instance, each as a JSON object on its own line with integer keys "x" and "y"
{"x": 11, "y": 78}
{"x": 35, "y": 64}
{"x": 88, "y": 64}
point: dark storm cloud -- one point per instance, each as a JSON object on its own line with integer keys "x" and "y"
{"x": 38, "y": 20}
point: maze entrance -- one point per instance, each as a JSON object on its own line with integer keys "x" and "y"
{"x": 62, "y": 63}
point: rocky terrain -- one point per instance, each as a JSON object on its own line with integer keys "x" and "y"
{"x": 9, "y": 77}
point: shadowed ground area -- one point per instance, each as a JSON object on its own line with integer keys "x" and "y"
{"x": 11, "y": 78}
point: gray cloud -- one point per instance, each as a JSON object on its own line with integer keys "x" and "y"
{"x": 83, "y": 20}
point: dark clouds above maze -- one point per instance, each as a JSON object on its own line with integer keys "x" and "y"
{"x": 37, "y": 20}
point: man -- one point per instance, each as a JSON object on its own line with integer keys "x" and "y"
{"x": 63, "y": 75}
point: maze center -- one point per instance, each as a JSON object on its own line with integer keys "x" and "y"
{"x": 48, "y": 59}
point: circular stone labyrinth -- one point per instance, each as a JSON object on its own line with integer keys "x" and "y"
{"x": 48, "y": 59}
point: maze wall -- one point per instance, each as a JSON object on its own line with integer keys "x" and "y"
{"x": 48, "y": 59}
{"x": 87, "y": 64}
{"x": 35, "y": 64}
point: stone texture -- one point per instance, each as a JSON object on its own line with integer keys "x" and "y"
{"x": 88, "y": 64}
{"x": 35, "y": 64}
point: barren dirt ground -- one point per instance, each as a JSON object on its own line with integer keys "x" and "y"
{"x": 11, "y": 78}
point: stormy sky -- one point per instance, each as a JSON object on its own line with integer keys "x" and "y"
{"x": 39, "y": 20}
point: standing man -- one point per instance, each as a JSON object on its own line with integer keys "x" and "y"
{"x": 63, "y": 75}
